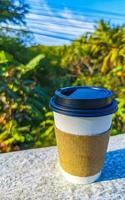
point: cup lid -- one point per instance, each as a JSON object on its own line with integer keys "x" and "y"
{"x": 83, "y": 101}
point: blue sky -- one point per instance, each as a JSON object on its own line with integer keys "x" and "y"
{"x": 57, "y": 22}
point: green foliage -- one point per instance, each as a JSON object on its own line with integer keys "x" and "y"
{"x": 15, "y": 48}
{"x": 45, "y": 133}
{"x": 13, "y": 11}
{"x": 29, "y": 77}
{"x": 22, "y": 101}
{"x": 53, "y": 73}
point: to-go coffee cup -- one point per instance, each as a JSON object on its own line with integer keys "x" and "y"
{"x": 83, "y": 117}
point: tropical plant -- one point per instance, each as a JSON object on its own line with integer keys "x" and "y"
{"x": 22, "y": 101}
{"x": 30, "y": 75}
{"x": 108, "y": 43}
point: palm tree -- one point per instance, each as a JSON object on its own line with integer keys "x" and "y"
{"x": 77, "y": 57}
{"x": 107, "y": 45}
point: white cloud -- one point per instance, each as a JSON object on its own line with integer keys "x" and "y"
{"x": 63, "y": 24}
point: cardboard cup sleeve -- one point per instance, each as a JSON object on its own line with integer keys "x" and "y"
{"x": 81, "y": 155}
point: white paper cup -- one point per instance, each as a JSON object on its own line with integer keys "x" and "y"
{"x": 82, "y": 126}
{"x": 83, "y": 118}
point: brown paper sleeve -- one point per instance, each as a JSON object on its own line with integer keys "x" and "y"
{"x": 81, "y": 155}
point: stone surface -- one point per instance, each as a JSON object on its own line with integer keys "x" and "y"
{"x": 34, "y": 175}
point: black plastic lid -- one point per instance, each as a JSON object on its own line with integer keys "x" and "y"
{"x": 85, "y": 101}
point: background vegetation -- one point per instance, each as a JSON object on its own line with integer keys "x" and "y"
{"x": 30, "y": 75}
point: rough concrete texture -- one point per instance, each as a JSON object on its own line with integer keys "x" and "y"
{"x": 34, "y": 175}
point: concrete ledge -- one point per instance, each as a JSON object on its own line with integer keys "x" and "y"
{"x": 34, "y": 175}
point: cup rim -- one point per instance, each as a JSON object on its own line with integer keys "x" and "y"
{"x": 112, "y": 108}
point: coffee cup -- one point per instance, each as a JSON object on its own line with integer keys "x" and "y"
{"x": 83, "y": 118}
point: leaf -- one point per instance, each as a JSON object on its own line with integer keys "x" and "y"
{"x": 36, "y": 102}
{"x": 29, "y": 137}
{"x": 49, "y": 114}
{"x": 105, "y": 63}
{"x": 35, "y": 111}
{"x": 18, "y": 137}
{"x": 5, "y": 57}
{"x": 9, "y": 141}
{"x": 114, "y": 55}
{"x": 117, "y": 68}
{"x": 47, "y": 132}
{"x": 39, "y": 91}
{"x": 24, "y": 128}
{"x": 12, "y": 94}
{"x": 27, "y": 82}
{"x": 31, "y": 65}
